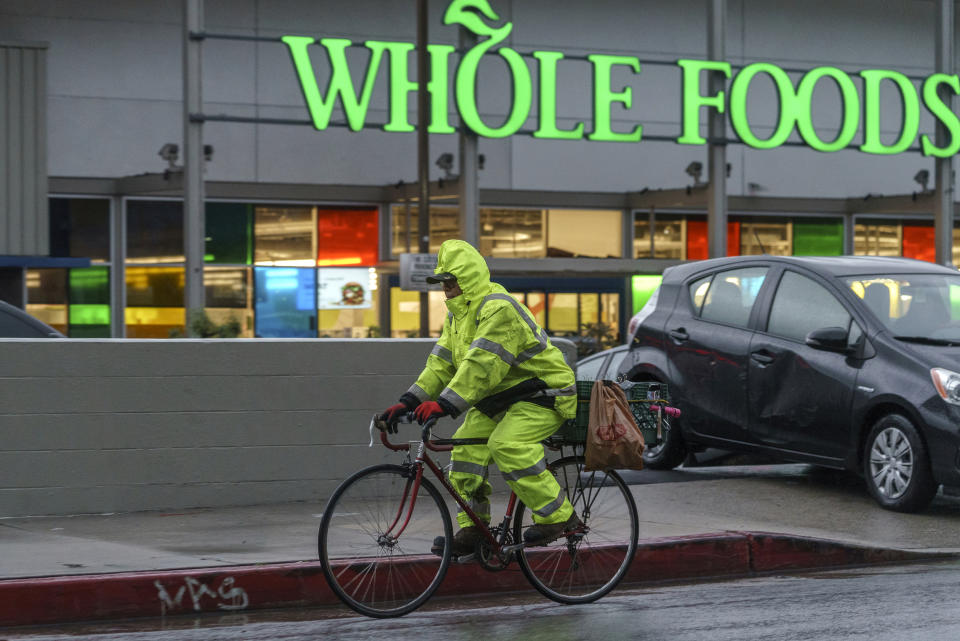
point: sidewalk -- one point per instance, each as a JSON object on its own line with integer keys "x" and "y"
{"x": 700, "y": 523}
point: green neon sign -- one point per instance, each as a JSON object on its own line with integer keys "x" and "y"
{"x": 860, "y": 108}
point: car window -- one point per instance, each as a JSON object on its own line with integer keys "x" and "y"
{"x": 801, "y": 305}
{"x": 13, "y": 327}
{"x": 614, "y": 365}
{"x": 913, "y": 305}
{"x": 588, "y": 369}
{"x": 731, "y": 295}
{"x": 698, "y": 292}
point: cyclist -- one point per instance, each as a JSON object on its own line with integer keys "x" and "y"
{"x": 496, "y": 364}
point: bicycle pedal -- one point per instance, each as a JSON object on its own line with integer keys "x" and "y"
{"x": 466, "y": 558}
{"x": 511, "y": 549}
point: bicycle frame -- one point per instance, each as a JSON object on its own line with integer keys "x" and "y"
{"x": 423, "y": 459}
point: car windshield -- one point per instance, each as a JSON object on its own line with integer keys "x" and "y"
{"x": 914, "y": 307}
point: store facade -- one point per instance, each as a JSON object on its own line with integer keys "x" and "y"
{"x": 593, "y": 136}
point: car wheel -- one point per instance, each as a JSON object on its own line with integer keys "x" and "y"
{"x": 670, "y": 451}
{"x": 897, "y": 467}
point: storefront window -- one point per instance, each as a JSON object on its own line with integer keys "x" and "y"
{"x": 643, "y": 287}
{"x": 89, "y": 296}
{"x": 47, "y": 297}
{"x": 347, "y": 237}
{"x": 286, "y": 302}
{"x": 285, "y": 236}
{"x": 765, "y": 237}
{"x": 578, "y": 232}
{"x": 405, "y": 313}
{"x": 154, "y": 231}
{"x": 919, "y": 242}
{"x": 347, "y": 300}
{"x": 876, "y": 238}
{"x": 562, "y": 317}
{"x": 698, "y": 245}
{"x": 229, "y": 233}
{"x": 817, "y": 237}
{"x": 228, "y": 293}
{"x": 444, "y": 224}
{"x": 536, "y": 302}
{"x": 512, "y": 233}
{"x": 669, "y": 236}
{"x": 154, "y": 301}
{"x": 589, "y": 309}
{"x": 80, "y": 228}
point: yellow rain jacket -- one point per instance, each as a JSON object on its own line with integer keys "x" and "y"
{"x": 491, "y": 353}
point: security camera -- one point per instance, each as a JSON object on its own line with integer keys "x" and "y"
{"x": 170, "y": 152}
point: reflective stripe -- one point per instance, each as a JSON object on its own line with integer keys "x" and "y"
{"x": 538, "y": 333}
{"x": 553, "y": 506}
{"x": 533, "y": 470}
{"x": 494, "y": 348}
{"x": 442, "y": 353}
{"x": 455, "y": 399}
{"x": 466, "y": 467}
{"x": 417, "y": 391}
{"x": 569, "y": 390}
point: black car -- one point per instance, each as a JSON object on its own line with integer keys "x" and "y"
{"x": 846, "y": 362}
{"x": 16, "y": 323}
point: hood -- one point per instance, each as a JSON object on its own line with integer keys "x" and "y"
{"x": 463, "y": 261}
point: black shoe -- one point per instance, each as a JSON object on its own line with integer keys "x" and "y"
{"x": 543, "y": 533}
{"x": 464, "y": 542}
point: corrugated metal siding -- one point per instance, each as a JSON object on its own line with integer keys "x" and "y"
{"x": 24, "y": 224}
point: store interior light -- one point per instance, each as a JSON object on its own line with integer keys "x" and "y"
{"x": 331, "y": 262}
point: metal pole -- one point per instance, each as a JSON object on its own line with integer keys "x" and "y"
{"x": 118, "y": 268}
{"x": 943, "y": 196}
{"x": 193, "y": 197}
{"x": 423, "y": 153}
{"x": 469, "y": 182}
{"x": 717, "y": 134}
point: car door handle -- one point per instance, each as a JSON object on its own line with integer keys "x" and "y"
{"x": 761, "y": 358}
{"x": 679, "y": 335}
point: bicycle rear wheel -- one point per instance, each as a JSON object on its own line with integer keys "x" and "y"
{"x": 583, "y": 567}
{"x": 375, "y": 552}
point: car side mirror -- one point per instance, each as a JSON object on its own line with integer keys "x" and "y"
{"x": 830, "y": 339}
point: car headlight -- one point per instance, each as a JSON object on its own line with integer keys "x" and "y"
{"x": 947, "y": 384}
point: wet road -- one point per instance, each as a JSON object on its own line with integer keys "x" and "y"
{"x": 907, "y": 603}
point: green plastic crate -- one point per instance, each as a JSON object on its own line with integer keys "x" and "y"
{"x": 574, "y": 431}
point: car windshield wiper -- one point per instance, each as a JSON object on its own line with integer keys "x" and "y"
{"x": 926, "y": 340}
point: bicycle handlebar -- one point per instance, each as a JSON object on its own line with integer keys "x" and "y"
{"x": 425, "y": 433}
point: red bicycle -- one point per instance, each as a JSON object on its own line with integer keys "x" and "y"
{"x": 379, "y": 525}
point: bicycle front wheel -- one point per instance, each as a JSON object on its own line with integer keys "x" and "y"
{"x": 375, "y": 550}
{"x": 585, "y": 566}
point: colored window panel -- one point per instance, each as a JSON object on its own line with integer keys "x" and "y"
{"x": 642, "y": 287}
{"x": 405, "y": 313}
{"x": 154, "y": 322}
{"x": 154, "y": 231}
{"x": 444, "y": 224}
{"x": 575, "y": 232}
{"x": 512, "y": 233}
{"x": 347, "y": 237}
{"x": 589, "y": 308}
{"x": 877, "y": 238}
{"x": 227, "y": 287}
{"x": 285, "y": 236}
{"x": 818, "y": 237}
{"x": 698, "y": 245}
{"x": 537, "y": 304}
{"x": 772, "y": 237}
{"x": 155, "y": 286}
{"x": 562, "y": 313}
{"x": 919, "y": 243}
{"x": 229, "y": 229}
{"x": 47, "y": 286}
{"x": 90, "y": 285}
{"x": 80, "y": 228}
{"x": 286, "y": 302}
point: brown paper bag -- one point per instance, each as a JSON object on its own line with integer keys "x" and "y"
{"x": 613, "y": 438}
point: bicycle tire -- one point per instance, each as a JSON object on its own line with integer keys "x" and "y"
{"x": 583, "y": 569}
{"x": 372, "y": 575}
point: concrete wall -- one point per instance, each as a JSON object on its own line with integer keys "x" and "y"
{"x": 115, "y": 89}
{"x": 97, "y": 426}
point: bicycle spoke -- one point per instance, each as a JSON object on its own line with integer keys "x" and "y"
{"x": 375, "y": 550}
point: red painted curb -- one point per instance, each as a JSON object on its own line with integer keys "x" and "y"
{"x": 149, "y": 594}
